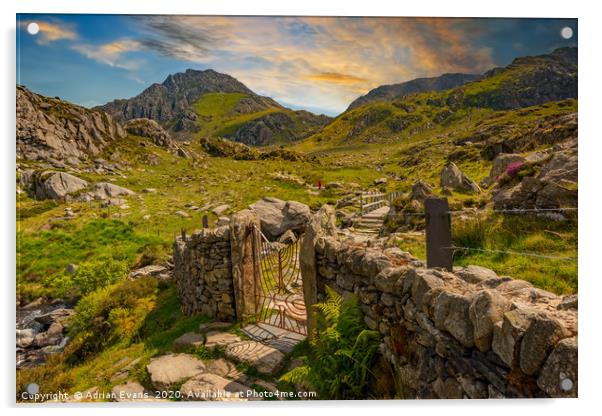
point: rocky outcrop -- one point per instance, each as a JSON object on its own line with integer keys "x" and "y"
{"x": 106, "y": 190}
{"x": 528, "y": 81}
{"x": 56, "y": 185}
{"x": 453, "y": 178}
{"x": 500, "y": 164}
{"x": 279, "y": 127}
{"x": 278, "y": 216}
{"x": 145, "y": 127}
{"x": 52, "y": 130}
{"x": 554, "y": 186}
{"x": 470, "y": 334}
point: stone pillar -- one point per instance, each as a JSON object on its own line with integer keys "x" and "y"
{"x": 321, "y": 224}
{"x": 241, "y": 246}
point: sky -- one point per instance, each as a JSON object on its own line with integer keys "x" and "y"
{"x": 320, "y": 64}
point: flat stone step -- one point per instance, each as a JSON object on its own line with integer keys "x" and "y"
{"x": 264, "y": 358}
{"x": 279, "y": 338}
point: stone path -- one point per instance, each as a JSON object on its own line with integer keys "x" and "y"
{"x": 215, "y": 379}
{"x": 281, "y": 339}
{"x": 372, "y": 221}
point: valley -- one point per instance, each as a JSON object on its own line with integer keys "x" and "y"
{"x": 104, "y": 192}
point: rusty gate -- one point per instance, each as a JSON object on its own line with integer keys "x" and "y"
{"x": 278, "y": 291}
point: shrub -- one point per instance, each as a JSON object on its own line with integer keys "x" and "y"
{"x": 341, "y": 354}
{"x": 90, "y": 276}
{"x": 110, "y": 315}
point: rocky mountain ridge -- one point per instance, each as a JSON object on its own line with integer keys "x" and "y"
{"x": 58, "y": 132}
{"x": 395, "y": 91}
{"x": 177, "y": 104}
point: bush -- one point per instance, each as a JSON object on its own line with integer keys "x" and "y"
{"x": 151, "y": 254}
{"x": 110, "y": 315}
{"x": 90, "y": 276}
{"x": 341, "y": 354}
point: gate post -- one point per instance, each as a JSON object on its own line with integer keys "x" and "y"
{"x": 243, "y": 252}
{"x": 438, "y": 233}
{"x": 321, "y": 224}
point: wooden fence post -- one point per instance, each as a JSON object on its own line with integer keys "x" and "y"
{"x": 205, "y": 221}
{"x": 183, "y": 234}
{"x": 438, "y": 233}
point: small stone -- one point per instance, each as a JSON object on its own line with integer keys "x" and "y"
{"x": 182, "y": 214}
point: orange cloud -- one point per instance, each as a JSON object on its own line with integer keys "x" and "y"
{"x": 110, "y": 53}
{"x": 336, "y": 78}
{"x": 51, "y": 32}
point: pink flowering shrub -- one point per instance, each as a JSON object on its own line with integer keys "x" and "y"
{"x": 513, "y": 168}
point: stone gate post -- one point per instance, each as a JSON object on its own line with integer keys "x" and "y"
{"x": 322, "y": 224}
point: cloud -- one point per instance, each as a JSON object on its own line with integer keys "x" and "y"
{"x": 111, "y": 53}
{"x": 53, "y": 31}
{"x": 177, "y": 36}
{"x": 336, "y": 78}
{"x": 303, "y": 60}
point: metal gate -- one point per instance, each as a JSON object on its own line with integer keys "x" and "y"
{"x": 278, "y": 287}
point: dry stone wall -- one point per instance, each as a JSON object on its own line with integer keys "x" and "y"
{"x": 467, "y": 334}
{"x": 203, "y": 273}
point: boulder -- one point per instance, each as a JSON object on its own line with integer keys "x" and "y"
{"x": 58, "y": 185}
{"x": 500, "y": 163}
{"x": 150, "y": 128}
{"x": 211, "y": 387}
{"x": 105, "y": 190}
{"x": 53, "y": 336}
{"x": 452, "y": 177}
{"x": 182, "y": 214}
{"x": 168, "y": 370}
{"x": 380, "y": 181}
{"x": 25, "y": 337}
{"x": 56, "y": 315}
{"x": 277, "y": 216}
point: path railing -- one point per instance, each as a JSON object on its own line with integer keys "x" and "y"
{"x": 370, "y": 201}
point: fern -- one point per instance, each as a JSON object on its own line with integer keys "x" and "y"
{"x": 342, "y": 351}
